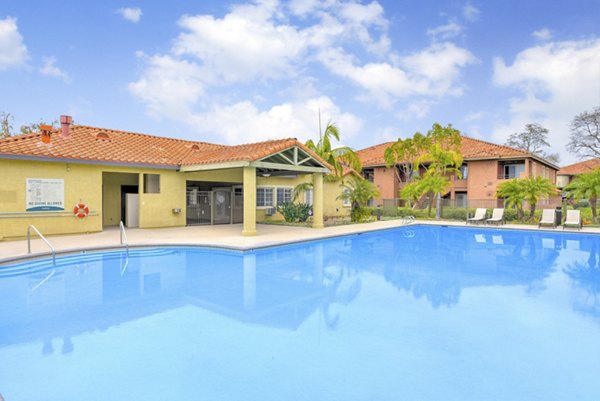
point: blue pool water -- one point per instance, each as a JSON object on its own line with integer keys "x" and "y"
{"x": 415, "y": 313}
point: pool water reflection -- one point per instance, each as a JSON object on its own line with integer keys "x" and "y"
{"x": 418, "y": 312}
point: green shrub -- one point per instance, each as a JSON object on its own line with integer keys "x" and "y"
{"x": 303, "y": 211}
{"x": 361, "y": 214}
{"x": 454, "y": 213}
{"x": 294, "y": 212}
{"x": 288, "y": 211}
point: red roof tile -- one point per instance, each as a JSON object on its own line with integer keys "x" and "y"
{"x": 585, "y": 166}
{"x": 470, "y": 148}
{"x": 112, "y": 146}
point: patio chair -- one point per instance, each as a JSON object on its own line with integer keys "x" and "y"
{"x": 573, "y": 219}
{"x": 479, "y": 216}
{"x": 547, "y": 218}
{"x": 497, "y": 217}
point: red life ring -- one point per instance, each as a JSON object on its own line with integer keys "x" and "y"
{"x": 81, "y": 210}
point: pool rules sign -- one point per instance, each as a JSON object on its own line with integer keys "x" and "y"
{"x": 45, "y": 194}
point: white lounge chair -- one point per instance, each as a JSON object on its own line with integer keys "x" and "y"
{"x": 573, "y": 219}
{"x": 497, "y": 216}
{"x": 479, "y": 216}
{"x": 547, "y": 218}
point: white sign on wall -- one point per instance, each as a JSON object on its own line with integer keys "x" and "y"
{"x": 45, "y": 194}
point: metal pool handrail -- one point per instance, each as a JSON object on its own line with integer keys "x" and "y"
{"x": 123, "y": 233}
{"x": 408, "y": 219}
{"x": 43, "y": 238}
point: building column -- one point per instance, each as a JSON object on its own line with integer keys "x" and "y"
{"x": 318, "y": 200}
{"x": 249, "y": 202}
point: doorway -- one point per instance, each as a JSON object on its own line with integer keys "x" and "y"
{"x": 126, "y": 189}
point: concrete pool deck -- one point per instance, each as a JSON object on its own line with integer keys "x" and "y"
{"x": 226, "y": 236}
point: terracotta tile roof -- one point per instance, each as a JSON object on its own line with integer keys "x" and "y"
{"x": 113, "y": 146}
{"x": 585, "y": 166}
{"x": 250, "y": 152}
{"x": 471, "y": 149}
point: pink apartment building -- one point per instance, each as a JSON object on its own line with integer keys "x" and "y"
{"x": 486, "y": 165}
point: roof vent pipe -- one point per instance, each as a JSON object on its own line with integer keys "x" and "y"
{"x": 65, "y": 124}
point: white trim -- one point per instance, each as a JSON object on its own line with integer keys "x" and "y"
{"x": 273, "y": 196}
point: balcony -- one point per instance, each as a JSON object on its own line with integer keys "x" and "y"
{"x": 459, "y": 184}
{"x": 507, "y": 176}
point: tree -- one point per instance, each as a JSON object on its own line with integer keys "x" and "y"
{"x": 358, "y": 191}
{"x": 403, "y": 154}
{"x": 434, "y": 184}
{"x": 411, "y": 192}
{"x": 35, "y": 127}
{"x": 535, "y": 188}
{"x": 443, "y": 157}
{"x": 513, "y": 193}
{"x": 586, "y": 186}
{"x": 584, "y": 139}
{"x": 336, "y": 157}
{"x": 6, "y": 128}
{"x": 530, "y": 190}
{"x": 534, "y": 139}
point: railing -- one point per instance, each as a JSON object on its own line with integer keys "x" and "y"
{"x": 123, "y": 234}
{"x": 408, "y": 219}
{"x": 43, "y": 238}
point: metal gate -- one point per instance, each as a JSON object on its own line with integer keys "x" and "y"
{"x": 238, "y": 205}
{"x": 198, "y": 207}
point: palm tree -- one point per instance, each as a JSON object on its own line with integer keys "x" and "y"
{"x": 434, "y": 184}
{"x": 535, "y": 188}
{"x": 336, "y": 157}
{"x": 411, "y": 192}
{"x": 514, "y": 195}
{"x": 586, "y": 186}
{"x": 358, "y": 191}
{"x": 443, "y": 157}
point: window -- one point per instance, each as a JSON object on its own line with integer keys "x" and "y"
{"x": 511, "y": 170}
{"x": 264, "y": 197}
{"x": 151, "y": 183}
{"x": 308, "y": 197}
{"x": 346, "y": 200}
{"x": 284, "y": 195}
{"x": 464, "y": 171}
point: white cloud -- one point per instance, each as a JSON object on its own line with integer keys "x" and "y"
{"x": 50, "y": 69}
{"x": 131, "y": 14}
{"x": 239, "y": 48}
{"x": 416, "y": 110}
{"x": 556, "y": 81}
{"x": 203, "y": 78}
{"x": 13, "y": 52}
{"x": 243, "y": 122}
{"x": 170, "y": 87}
{"x": 544, "y": 34}
{"x": 433, "y": 71}
{"x": 446, "y": 31}
{"x": 471, "y": 13}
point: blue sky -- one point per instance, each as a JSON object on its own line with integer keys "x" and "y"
{"x": 235, "y": 72}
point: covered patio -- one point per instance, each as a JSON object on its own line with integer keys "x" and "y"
{"x": 290, "y": 161}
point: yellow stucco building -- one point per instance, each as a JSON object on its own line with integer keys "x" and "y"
{"x": 149, "y": 181}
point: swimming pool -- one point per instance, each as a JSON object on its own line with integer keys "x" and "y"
{"x": 415, "y": 313}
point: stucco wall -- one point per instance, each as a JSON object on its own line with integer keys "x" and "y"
{"x": 86, "y": 183}
{"x": 386, "y": 182}
{"x": 482, "y": 179}
{"x": 82, "y": 184}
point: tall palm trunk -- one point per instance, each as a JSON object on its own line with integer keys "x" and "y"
{"x": 430, "y": 199}
{"x": 532, "y": 210}
{"x": 438, "y": 207}
{"x": 593, "y": 200}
